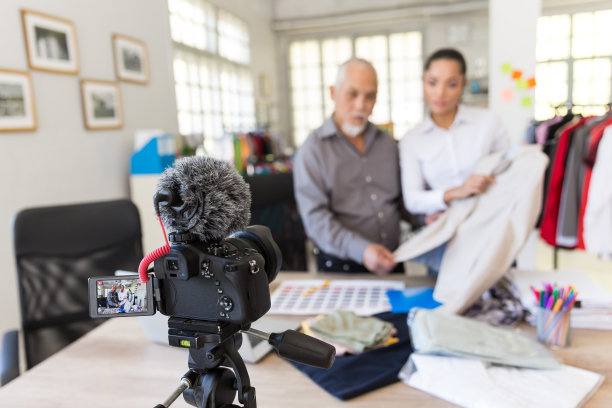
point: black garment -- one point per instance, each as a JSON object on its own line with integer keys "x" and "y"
{"x": 354, "y": 375}
{"x": 330, "y": 263}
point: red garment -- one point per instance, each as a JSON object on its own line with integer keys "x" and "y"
{"x": 548, "y": 226}
{"x": 596, "y": 134}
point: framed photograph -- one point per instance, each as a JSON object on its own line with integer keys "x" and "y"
{"x": 102, "y": 107}
{"x": 50, "y": 42}
{"x": 17, "y": 111}
{"x": 131, "y": 59}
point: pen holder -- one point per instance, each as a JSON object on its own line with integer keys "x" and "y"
{"x": 553, "y": 327}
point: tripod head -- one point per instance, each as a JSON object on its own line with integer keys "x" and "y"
{"x": 216, "y": 370}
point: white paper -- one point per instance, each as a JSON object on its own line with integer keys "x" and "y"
{"x": 474, "y": 384}
{"x": 364, "y": 297}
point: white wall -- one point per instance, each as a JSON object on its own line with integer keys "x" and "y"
{"x": 516, "y": 47}
{"x": 61, "y": 162}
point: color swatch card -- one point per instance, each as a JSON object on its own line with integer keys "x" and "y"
{"x": 315, "y": 296}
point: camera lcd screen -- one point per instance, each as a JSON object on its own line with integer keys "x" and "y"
{"x": 119, "y": 296}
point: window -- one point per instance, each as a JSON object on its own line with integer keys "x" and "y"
{"x": 214, "y": 87}
{"x": 313, "y": 66}
{"x": 574, "y": 55}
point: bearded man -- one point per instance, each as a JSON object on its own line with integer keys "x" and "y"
{"x": 347, "y": 180}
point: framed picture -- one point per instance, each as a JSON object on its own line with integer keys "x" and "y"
{"x": 131, "y": 59}
{"x": 50, "y": 42}
{"x": 102, "y": 107}
{"x": 17, "y": 111}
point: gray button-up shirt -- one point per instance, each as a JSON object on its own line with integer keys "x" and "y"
{"x": 348, "y": 200}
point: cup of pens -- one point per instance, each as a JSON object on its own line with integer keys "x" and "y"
{"x": 553, "y": 318}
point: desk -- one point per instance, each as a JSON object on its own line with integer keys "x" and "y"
{"x": 116, "y": 362}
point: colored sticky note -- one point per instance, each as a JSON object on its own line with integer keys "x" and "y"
{"x": 516, "y": 74}
{"x": 507, "y": 94}
{"x": 506, "y": 68}
{"x": 526, "y": 101}
{"x": 521, "y": 84}
{"x": 531, "y": 82}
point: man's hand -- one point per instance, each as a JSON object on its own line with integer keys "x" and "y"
{"x": 475, "y": 184}
{"x": 378, "y": 259}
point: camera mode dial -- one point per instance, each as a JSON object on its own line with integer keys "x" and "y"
{"x": 226, "y": 303}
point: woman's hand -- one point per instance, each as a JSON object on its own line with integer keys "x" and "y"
{"x": 475, "y": 184}
{"x": 429, "y": 218}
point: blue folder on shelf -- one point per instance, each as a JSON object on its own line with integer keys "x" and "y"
{"x": 155, "y": 156}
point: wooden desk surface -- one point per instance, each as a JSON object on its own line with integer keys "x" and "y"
{"x": 116, "y": 365}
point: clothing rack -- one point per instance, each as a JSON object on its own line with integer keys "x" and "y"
{"x": 563, "y": 110}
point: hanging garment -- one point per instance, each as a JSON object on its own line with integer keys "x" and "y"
{"x": 483, "y": 233}
{"x": 548, "y": 228}
{"x": 571, "y": 191}
{"x": 594, "y": 139}
{"x": 598, "y": 213}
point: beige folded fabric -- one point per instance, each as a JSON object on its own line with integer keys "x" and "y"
{"x": 484, "y": 233}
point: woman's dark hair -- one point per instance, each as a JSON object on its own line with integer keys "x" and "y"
{"x": 447, "y": 53}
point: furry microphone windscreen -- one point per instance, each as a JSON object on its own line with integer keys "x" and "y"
{"x": 214, "y": 201}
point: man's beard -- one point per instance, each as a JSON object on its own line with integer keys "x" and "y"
{"x": 354, "y": 130}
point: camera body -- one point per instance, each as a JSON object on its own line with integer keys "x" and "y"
{"x": 224, "y": 281}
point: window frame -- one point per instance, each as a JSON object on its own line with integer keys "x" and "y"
{"x": 221, "y": 63}
{"x": 570, "y": 61}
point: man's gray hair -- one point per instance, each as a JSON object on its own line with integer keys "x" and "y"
{"x": 353, "y": 61}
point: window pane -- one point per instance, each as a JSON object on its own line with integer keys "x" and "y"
{"x": 233, "y": 38}
{"x": 553, "y": 35}
{"x": 551, "y": 89}
{"x": 602, "y": 36}
{"x": 191, "y": 22}
{"x": 305, "y": 80}
{"x": 406, "y": 61}
{"x": 582, "y": 41}
{"x": 591, "y": 82}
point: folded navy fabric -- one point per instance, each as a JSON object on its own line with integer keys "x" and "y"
{"x": 354, "y": 375}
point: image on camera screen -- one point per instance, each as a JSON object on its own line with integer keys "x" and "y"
{"x": 121, "y": 296}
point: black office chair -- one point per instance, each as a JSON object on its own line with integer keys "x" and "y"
{"x": 57, "y": 249}
{"x": 273, "y": 205}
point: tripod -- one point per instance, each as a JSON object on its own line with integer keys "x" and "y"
{"x": 216, "y": 370}
{"x": 213, "y": 350}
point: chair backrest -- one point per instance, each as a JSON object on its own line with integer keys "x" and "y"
{"x": 57, "y": 249}
{"x": 273, "y": 205}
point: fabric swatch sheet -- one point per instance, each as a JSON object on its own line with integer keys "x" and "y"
{"x": 314, "y": 296}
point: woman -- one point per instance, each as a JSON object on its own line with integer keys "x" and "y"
{"x": 438, "y": 156}
{"x": 125, "y": 298}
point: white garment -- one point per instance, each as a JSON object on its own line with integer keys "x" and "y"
{"x": 443, "y": 159}
{"x": 597, "y": 232}
{"x": 125, "y": 299}
{"x": 484, "y": 233}
{"x": 473, "y": 383}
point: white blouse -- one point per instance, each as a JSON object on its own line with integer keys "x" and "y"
{"x": 434, "y": 160}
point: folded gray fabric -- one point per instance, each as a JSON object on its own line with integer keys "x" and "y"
{"x": 432, "y": 332}
{"x": 356, "y": 332}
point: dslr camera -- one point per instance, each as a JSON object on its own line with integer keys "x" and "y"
{"x": 225, "y": 281}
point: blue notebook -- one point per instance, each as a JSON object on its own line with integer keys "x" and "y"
{"x": 404, "y": 300}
